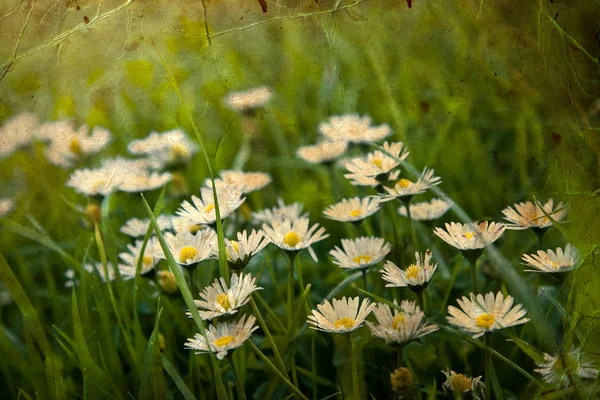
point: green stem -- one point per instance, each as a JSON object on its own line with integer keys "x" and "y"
{"x": 354, "y": 363}
{"x": 364, "y": 274}
{"x": 473, "y": 265}
{"x": 413, "y": 233}
{"x": 238, "y": 382}
{"x": 421, "y": 299}
{"x": 315, "y": 384}
{"x": 290, "y": 293}
{"x": 488, "y": 369}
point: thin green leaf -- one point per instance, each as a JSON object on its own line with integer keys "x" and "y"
{"x": 183, "y": 389}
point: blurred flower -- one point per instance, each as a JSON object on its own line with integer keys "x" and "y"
{"x": 565, "y": 367}
{"x": 401, "y": 327}
{"x": 480, "y": 315}
{"x": 189, "y": 249}
{"x": 6, "y": 206}
{"x": 407, "y": 188}
{"x": 220, "y": 300}
{"x": 181, "y": 224}
{"x": 374, "y": 168}
{"x": 203, "y": 211}
{"x": 322, "y": 152}
{"x": 294, "y": 234}
{"x": 416, "y": 276}
{"x": 143, "y": 181}
{"x": 17, "y": 132}
{"x": 99, "y": 269}
{"x": 360, "y": 253}
{"x": 353, "y": 128}
{"x": 549, "y": 261}
{"x": 249, "y": 99}
{"x": 245, "y": 182}
{"x": 93, "y": 182}
{"x": 241, "y": 250}
{"x": 470, "y": 236}
{"x": 152, "y": 254}
{"x": 401, "y": 379}
{"x": 351, "y": 210}
{"x": 531, "y": 215}
{"x": 165, "y": 149}
{"x": 426, "y": 210}
{"x": 341, "y": 315}
{"x": 167, "y": 282}
{"x": 280, "y": 213}
{"x": 224, "y": 337}
{"x": 460, "y": 384}
{"x": 135, "y": 227}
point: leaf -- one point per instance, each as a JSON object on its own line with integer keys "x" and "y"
{"x": 152, "y": 379}
{"x": 183, "y": 389}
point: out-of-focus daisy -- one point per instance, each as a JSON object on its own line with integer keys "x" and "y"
{"x": 6, "y": 206}
{"x": 480, "y": 315}
{"x": 281, "y": 212}
{"x": 426, "y": 210}
{"x": 353, "y": 128}
{"x": 352, "y": 210}
{"x": 360, "y": 253}
{"x": 322, "y": 152}
{"x": 202, "y": 210}
{"x": 250, "y": 99}
{"x": 181, "y": 224}
{"x": 416, "y": 276}
{"x": 17, "y": 132}
{"x": 245, "y": 182}
{"x": 531, "y": 215}
{"x": 67, "y": 145}
{"x": 165, "y": 149}
{"x": 98, "y": 268}
{"x": 341, "y": 315}
{"x": 167, "y": 282}
{"x": 405, "y": 188}
{"x": 135, "y": 227}
{"x": 94, "y": 182}
{"x": 226, "y": 336}
{"x": 374, "y": 168}
{"x": 294, "y": 235}
{"x": 402, "y": 326}
{"x": 550, "y": 261}
{"x": 149, "y": 258}
{"x": 470, "y": 236}
{"x": 220, "y": 300}
{"x": 401, "y": 380}
{"x": 565, "y": 367}
{"x": 459, "y": 384}
{"x": 241, "y": 250}
{"x": 143, "y": 181}
{"x": 189, "y": 249}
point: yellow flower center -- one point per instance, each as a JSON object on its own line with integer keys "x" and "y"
{"x": 209, "y": 207}
{"x": 345, "y": 323}
{"x": 147, "y": 260}
{"x": 485, "y": 321}
{"x": 167, "y": 281}
{"x": 223, "y": 301}
{"x": 187, "y": 253}
{"x": 355, "y": 213}
{"x": 398, "y": 321}
{"x": 460, "y": 383}
{"x": 291, "y": 239}
{"x": 75, "y": 147}
{"x": 469, "y": 235}
{"x": 377, "y": 162}
{"x": 194, "y": 229}
{"x": 362, "y": 259}
{"x": 94, "y": 212}
{"x": 179, "y": 152}
{"x": 412, "y": 271}
{"x": 401, "y": 379}
{"x": 223, "y": 341}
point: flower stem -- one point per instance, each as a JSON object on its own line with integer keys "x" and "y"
{"x": 488, "y": 369}
{"x": 472, "y": 257}
{"x": 364, "y": 274}
{"x": 421, "y": 299}
{"x": 238, "y": 382}
{"x": 354, "y": 363}
{"x": 413, "y": 233}
{"x": 473, "y": 265}
{"x": 290, "y": 293}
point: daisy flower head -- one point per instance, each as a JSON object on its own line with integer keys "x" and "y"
{"x": 401, "y": 326}
{"x": 353, "y": 128}
{"x": 218, "y": 299}
{"x": 68, "y": 146}
{"x": 224, "y": 337}
{"x": 98, "y": 268}
{"x": 17, "y": 132}
{"x": 189, "y": 249}
{"x": 281, "y": 212}
{"x": 135, "y": 227}
{"x": 249, "y": 100}
{"x": 485, "y": 314}
{"x": 460, "y": 384}
{"x": 294, "y": 235}
{"x": 405, "y": 189}
{"x": 552, "y": 262}
{"x": 470, "y": 236}
{"x": 202, "y": 210}
{"x": 245, "y": 182}
{"x": 375, "y": 167}
{"x": 416, "y": 277}
{"x": 241, "y": 250}
{"x": 360, "y": 253}
{"x": 323, "y": 152}
{"x": 98, "y": 182}
{"x": 165, "y": 149}
{"x": 531, "y": 215}
{"x": 149, "y": 258}
{"x": 6, "y": 206}
{"x": 426, "y": 210}
{"x": 352, "y": 210}
{"x": 565, "y": 366}
{"x": 144, "y": 181}
{"x": 181, "y": 224}
{"x": 341, "y": 315}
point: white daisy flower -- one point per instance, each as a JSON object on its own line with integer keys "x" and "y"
{"x": 352, "y": 210}
{"x": 563, "y": 368}
{"x": 460, "y": 384}
{"x": 531, "y": 215}
{"x": 360, "y": 253}
{"x": 67, "y": 145}
{"x": 353, "y": 128}
{"x": 181, "y": 224}
{"x": 480, "y": 315}
{"x": 202, "y": 210}
{"x": 401, "y": 326}
{"x": 249, "y": 99}
{"x": 17, "y": 132}
{"x": 294, "y": 234}
{"x": 245, "y": 182}
{"x": 135, "y": 227}
{"x": 6, "y": 206}
{"x": 189, "y": 249}
{"x": 426, "y": 210}
{"x": 241, "y": 250}
{"x": 219, "y": 300}
{"x": 143, "y": 181}
{"x": 549, "y": 261}
{"x": 416, "y": 276}
{"x": 94, "y": 182}
{"x": 322, "y": 152}
{"x": 98, "y": 268}
{"x": 281, "y": 212}
{"x": 150, "y": 258}
{"x": 165, "y": 149}
{"x": 341, "y": 315}
{"x": 375, "y": 166}
{"x": 470, "y": 236}
{"x": 226, "y": 336}
{"x": 407, "y": 188}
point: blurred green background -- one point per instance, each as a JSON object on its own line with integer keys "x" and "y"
{"x": 501, "y": 98}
